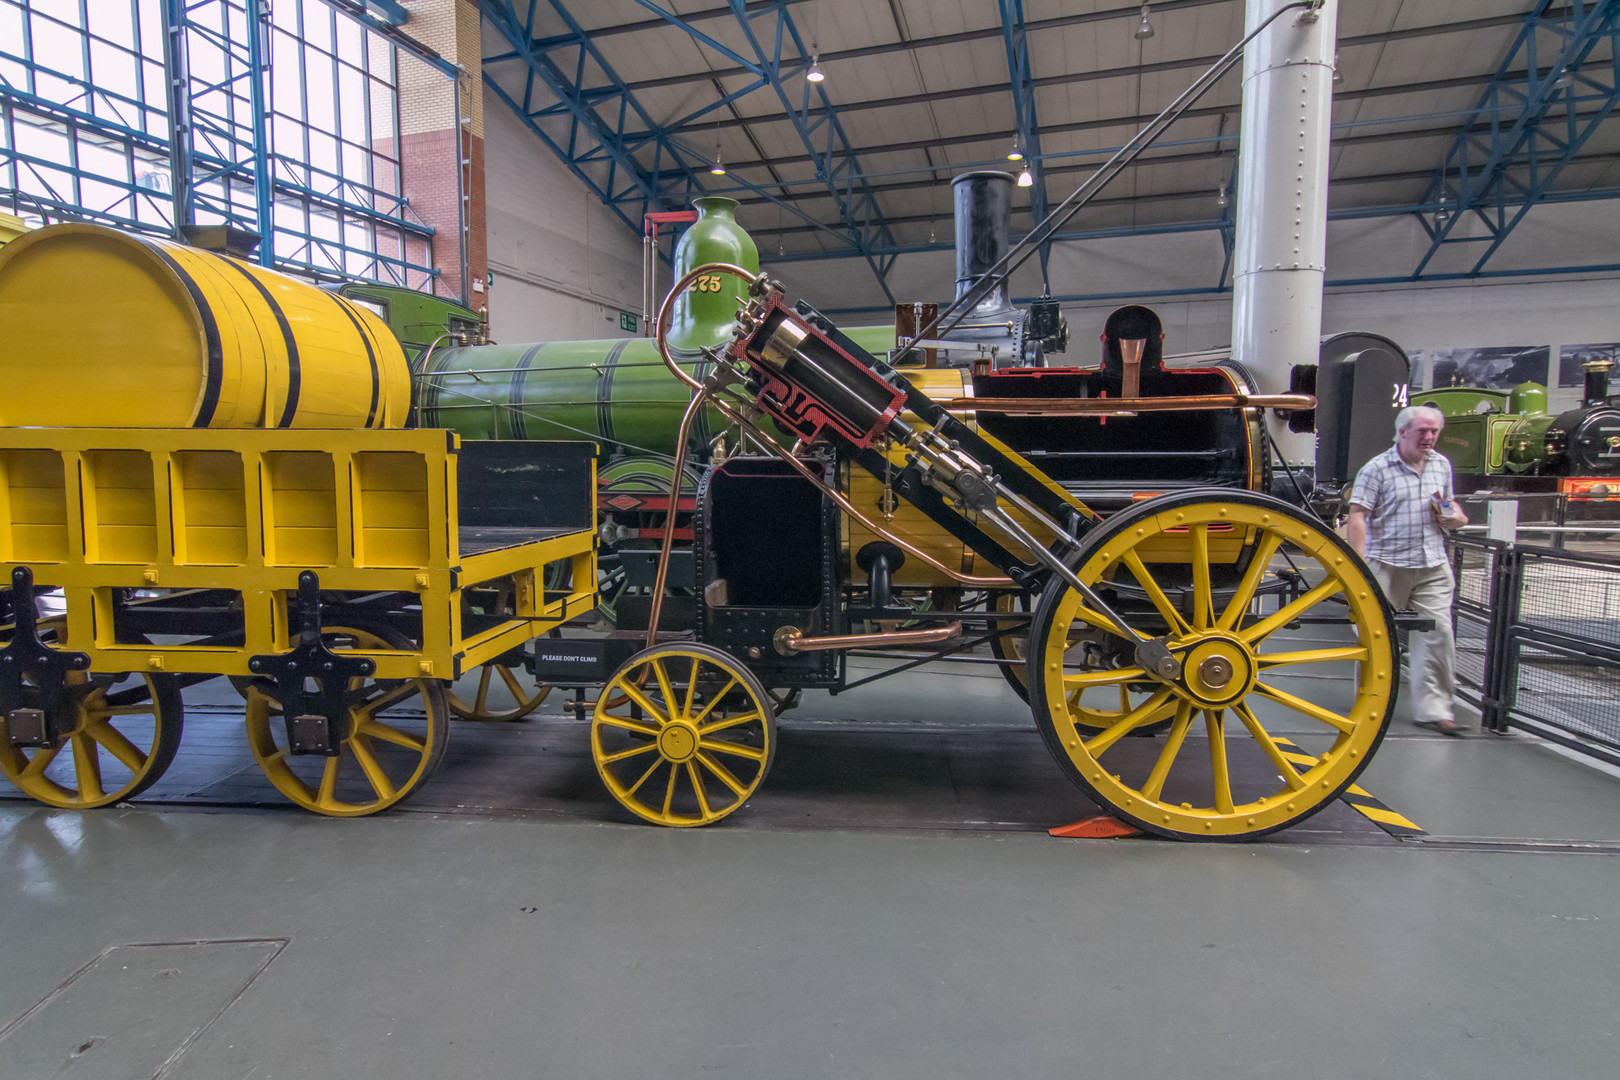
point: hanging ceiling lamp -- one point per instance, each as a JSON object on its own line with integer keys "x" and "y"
{"x": 1026, "y": 179}
{"x": 1015, "y": 154}
{"x": 1145, "y": 30}
{"x": 717, "y": 168}
{"x": 815, "y": 74}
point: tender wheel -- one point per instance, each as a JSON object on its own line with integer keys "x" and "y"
{"x": 397, "y": 737}
{"x": 525, "y": 698}
{"x": 1192, "y": 567}
{"x": 683, "y": 734}
{"x": 519, "y": 700}
{"x": 120, "y": 744}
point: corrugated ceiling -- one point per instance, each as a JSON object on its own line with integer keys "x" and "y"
{"x": 922, "y": 91}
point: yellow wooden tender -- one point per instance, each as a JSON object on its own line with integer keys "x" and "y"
{"x": 182, "y": 552}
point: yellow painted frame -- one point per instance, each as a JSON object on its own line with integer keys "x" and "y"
{"x": 123, "y": 533}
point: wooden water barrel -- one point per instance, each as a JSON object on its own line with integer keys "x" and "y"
{"x": 109, "y": 329}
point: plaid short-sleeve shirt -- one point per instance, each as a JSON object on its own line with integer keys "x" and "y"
{"x": 1401, "y": 530}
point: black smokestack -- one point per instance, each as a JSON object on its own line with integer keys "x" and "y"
{"x": 1597, "y": 380}
{"x": 983, "y": 203}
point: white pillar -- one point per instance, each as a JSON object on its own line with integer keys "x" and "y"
{"x": 1281, "y": 249}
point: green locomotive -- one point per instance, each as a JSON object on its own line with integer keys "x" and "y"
{"x": 1507, "y": 440}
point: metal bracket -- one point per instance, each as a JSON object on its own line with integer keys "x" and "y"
{"x": 1414, "y": 621}
{"x": 317, "y": 720}
{"x": 1155, "y": 657}
{"x": 36, "y": 716}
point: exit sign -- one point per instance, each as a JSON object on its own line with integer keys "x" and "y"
{"x": 627, "y": 321}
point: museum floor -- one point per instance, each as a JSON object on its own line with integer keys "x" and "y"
{"x": 889, "y": 906}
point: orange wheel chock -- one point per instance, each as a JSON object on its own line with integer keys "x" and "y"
{"x": 1098, "y": 827}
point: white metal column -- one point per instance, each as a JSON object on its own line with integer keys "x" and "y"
{"x": 1280, "y": 254}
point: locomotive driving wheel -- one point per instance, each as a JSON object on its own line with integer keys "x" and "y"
{"x": 1091, "y": 715}
{"x": 117, "y": 743}
{"x": 1201, "y": 571}
{"x": 683, "y": 734}
{"x": 397, "y": 736}
{"x": 1009, "y": 645}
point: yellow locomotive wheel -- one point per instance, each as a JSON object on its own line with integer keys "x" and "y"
{"x": 120, "y": 742}
{"x": 524, "y": 698}
{"x": 1091, "y": 714}
{"x": 397, "y": 737}
{"x": 1203, "y": 570}
{"x": 518, "y": 699}
{"x": 683, "y": 734}
{"x": 1010, "y": 646}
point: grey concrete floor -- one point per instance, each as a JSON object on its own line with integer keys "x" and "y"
{"x": 428, "y": 945}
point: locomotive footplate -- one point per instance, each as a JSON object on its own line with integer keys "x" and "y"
{"x": 317, "y": 721}
{"x": 37, "y": 715}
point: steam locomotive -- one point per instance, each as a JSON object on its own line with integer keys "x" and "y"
{"x": 1099, "y": 527}
{"x": 1507, "y": 440}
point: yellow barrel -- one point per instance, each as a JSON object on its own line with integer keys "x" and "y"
{"x": 11, "y": 227}
{"x": 108, "y": 329}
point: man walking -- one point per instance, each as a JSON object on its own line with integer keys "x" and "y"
{"x": 1401, "y": 501}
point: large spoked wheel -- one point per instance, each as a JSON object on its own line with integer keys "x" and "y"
{"x": 397, "y": 737}
{"x": 1090, "y": 716}
{"x": 683, "y": 734}
{"x": 119, "y": 743}
{"x": 1203, "y": 568}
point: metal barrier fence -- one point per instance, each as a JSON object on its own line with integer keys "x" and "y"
{"x": 1538, "y": 639}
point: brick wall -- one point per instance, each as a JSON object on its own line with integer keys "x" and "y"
{"x": 430, "y": 158}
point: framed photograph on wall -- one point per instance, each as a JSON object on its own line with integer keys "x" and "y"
{"x": 1499, "y": 367}
{"x": 1571, "y": 357}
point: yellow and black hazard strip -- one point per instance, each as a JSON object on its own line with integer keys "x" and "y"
{"x": 1357, "y": 798}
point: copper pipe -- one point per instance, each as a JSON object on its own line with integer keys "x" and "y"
{"x": 1130, "y": 353}
{"x": 790, "y": 639}
{"x": 771, "y": 446}
{"x": 666, "y": 309}
{"x": 1115, "y": 406}
{"x": 668, "y": 544}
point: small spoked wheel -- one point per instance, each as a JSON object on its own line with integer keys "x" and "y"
{"x": 119, "y": 743}
{"x": 683, "y": 734}
{"x": 513, "y": 698}
{"x": 397, "y": 736}
{"x": 519, "y": 700}
{"x": 1245, "y": 750}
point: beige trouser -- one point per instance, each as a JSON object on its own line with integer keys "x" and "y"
{"x": 1431, "y": 657}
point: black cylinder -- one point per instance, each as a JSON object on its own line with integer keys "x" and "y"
{"x": 983, "y": 202}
